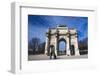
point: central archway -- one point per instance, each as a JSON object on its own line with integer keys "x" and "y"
{"x": 62, "y": 47}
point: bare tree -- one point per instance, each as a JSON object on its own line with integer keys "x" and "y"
{"x": 42, "y": 48}
{"x": 83, "y": 46}
{"x": 34, "y": 44}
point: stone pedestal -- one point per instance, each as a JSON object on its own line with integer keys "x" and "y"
{"x": 68, "y": 47}
{"x": 46, "y": 45}
{"x": 76, "y": 47}
{"x": 56, "y": 46}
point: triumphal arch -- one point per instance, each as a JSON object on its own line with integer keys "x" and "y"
{"x": 62, "y": 33}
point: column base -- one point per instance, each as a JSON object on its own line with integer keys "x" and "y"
{"x": 56, "y": 52}
{"x": 68, "y": 53}
{"x": 77, "y": 53}
{"x": 45, "y": 53}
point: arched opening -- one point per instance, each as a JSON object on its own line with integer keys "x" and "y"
{"x": 72, "y": 50}
{"x": 61, "y": 47}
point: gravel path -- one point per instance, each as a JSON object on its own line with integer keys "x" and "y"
{"x": 45, "y": 57}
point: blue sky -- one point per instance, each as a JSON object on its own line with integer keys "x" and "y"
{"x": 38, "y": 25}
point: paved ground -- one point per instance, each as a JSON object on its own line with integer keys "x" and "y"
{"x": 45, "y": 57}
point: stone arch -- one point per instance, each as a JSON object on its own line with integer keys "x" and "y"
{"x": 54, "y": 35}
